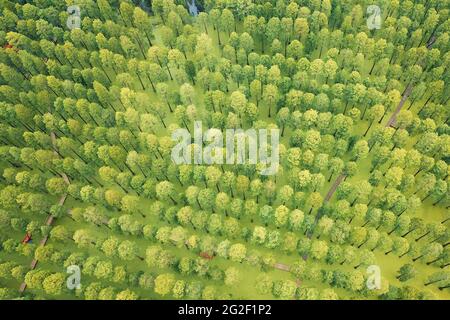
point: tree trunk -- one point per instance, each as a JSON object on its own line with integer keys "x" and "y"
{"x": 434, "y": 204}
{"x": 431, "y": 282}
{"x": 390, "y": 232}
{"x": 404, "y": 235}
{"x": 365, "y": 133}
{"x": 218, "y": 36}
{"x": 329, "y": 179}
{"x": 422, "y": 236}
{"x": 401, "y": 256}
{"x": 373, "y": 66}
{"x": 427, "y": 196}
{"x": 433, "y": 261}
{"x": 426, "y": 102}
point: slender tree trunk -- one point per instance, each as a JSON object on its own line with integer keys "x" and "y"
{"x": 373, "y": 66}
{"x": 415, "y": 259}
{"x": 365, "y": 133}
{"x": 434, "y": 204}
{"x": 173, "y": 200}
{"x": 401, "y": 256}
{"x": 431, "y": 282}
{"x": 433, "y": 261}
{"x": 426, "y": 102}
{"x": 418, "y": 239}
{"x": 404, "y": 235}
{"x": 218, "y": 35}
{"x": 392, "y": 231}
{"x": 331, "y": 175}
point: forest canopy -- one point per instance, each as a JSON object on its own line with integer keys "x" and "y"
{"x": 91, "y": 93}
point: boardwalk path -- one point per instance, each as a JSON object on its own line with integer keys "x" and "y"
{"x": 50, "y": 219}
{"x": 391, "y": 122}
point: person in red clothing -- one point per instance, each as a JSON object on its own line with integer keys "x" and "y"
{"x": 27, "y": 238}
{"x": 10, "y": 46}
{"x": 205, "y": 255}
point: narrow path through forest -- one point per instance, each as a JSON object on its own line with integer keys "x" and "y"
{"x": 50, "y": 219}
{"x": 342, "y": 176}
{"x": 393, "y": 118}
{"x": 389, "y": 123}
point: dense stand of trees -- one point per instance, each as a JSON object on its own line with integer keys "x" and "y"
{"x": 89, "y": 113}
